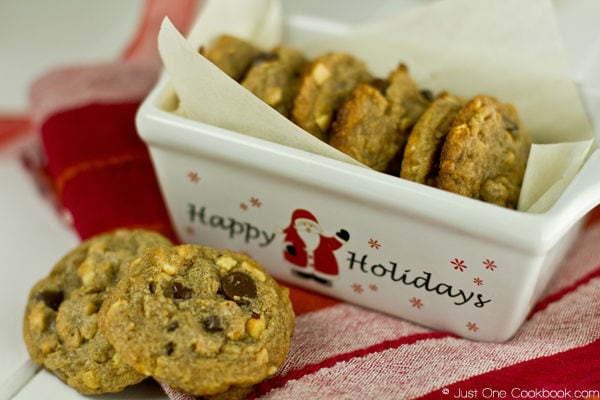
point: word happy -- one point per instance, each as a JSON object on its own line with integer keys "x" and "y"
{"x": 233, "y": 228}
{"x": 421, "y": 281}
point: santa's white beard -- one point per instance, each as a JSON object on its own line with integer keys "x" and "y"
{"x": 310, "y": 238}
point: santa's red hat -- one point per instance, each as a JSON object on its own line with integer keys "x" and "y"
{"x": 303, "y": 214}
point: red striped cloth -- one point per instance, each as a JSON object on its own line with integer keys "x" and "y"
{"x": 97, "y": 164}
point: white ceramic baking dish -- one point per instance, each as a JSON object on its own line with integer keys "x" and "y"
{"x": 415, "y": 252}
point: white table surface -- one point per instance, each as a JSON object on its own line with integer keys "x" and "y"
{"x": 33, "y": 237}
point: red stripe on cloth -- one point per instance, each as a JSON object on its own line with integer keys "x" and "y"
{"x": 280, "y": 380}
{"x": 572, "y": 374}
{"x": 12, "y": 127}
{"x": 143, "y": 45}
{"x": 566, "y": 290}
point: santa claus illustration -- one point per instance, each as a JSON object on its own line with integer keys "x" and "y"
{"x": 309, "y": 250}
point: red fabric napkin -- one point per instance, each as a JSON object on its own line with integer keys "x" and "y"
{"x": 100, "y": 169}
{"x": 103, "y": 176}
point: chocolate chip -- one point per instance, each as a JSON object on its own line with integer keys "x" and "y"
{"x": 152, "y": 287}
{"x": 255, "y": 315}
{"x": 380, "y": 84}
{"x": 238, "y": 286}
{"x": 213, "y": 324}
{"x": 170, "y": 348}
{"x": 172, "y": 326}
{"x": 178, "y": 291}
{"x": 511, "y": 126}
{"x": 427, "y": 94}
{"x": 52, "y": 298}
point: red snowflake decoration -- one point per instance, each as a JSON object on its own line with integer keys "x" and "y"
{"x": 374, "y": 244}
{"x": 255, "y": 201}
{"x": 489, "y": 264}
{"x": 357, "y": 288}
{"x": 193, "y": 177}
{"x": 472, "y": 326}
{"x": 190, "y": 230}
{"x": 459, "y": 265}
{"x": 416, "y": 303}
{"x": 478, "y": 281}
{"x": 373, "y": 287}
{"x": 244, "y": 206}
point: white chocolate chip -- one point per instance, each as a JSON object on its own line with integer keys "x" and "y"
{"x": 86, "y": 273}
{"x": 169, "y": 269}
{"x": 226, "y": 262}
{"x": 320, "y": 73}
{"x": 255, "y": 272}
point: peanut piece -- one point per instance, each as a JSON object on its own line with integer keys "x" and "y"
{"x": 255, "y": 327}
{"x": 322, "y": 121}
{"x": 273, "y": 96}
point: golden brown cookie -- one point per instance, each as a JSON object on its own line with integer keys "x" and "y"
{"x": 200, "y": 319}
{"x": 364, "y": 130}
{"x": 325, "y": 84}
{"x": 232, "y": 55}
{"x": 407, "y": 103}
{"x": 420, "y": 162}
{"x": 485, "y": 153}
{"x": 373, "y": 124}
{"x": 60, "y": 323}
{"x": 274, "y": 78}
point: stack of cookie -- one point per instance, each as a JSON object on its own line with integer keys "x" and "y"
{"x": 127, "y": 305}
{"x": 474, "y": 147}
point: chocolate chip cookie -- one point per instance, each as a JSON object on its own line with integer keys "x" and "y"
{"x": 60, "y": 323}
{"x": 325, "y": 83}
{"x": 372, "y": 126}
{"x": 407, "y": 103}
{"x": 485, "y": 153}
{"x": 232, "y": 55}
{"x": 274, "y": 77}
{"x": 200, "y": 319}
{"x": 364, "y": 130}
{"x": 420, "y": 162}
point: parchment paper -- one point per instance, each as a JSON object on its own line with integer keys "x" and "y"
{"x": 510, "y": 49}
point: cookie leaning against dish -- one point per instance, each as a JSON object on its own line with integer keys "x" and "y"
{"x": 232, "y": 55}
{"x": 485, "y": 153}
{"x": 420, "y": 162}
{"x": 200, "y": 319}
{"x": 274, "y": 77}
{"x": 326, "y": 82}
{"x": 60, "y": 322}
{"x": 373, "y": 124}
